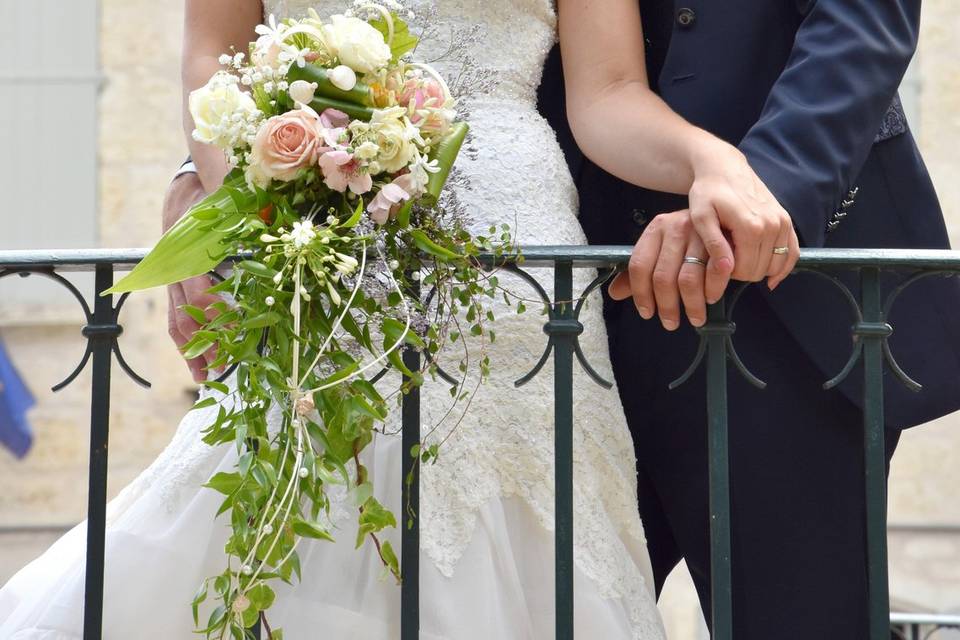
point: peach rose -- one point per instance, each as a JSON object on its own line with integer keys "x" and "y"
{"x": 284, "y": 145}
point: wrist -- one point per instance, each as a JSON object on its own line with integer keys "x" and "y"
{"x": 709, "y": 155}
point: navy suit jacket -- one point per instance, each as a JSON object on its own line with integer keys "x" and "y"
{"x": 807, "y": 89}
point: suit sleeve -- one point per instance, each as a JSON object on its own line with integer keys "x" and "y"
{"x": 823, "y": 113}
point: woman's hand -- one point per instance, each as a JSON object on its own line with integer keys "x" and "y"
{"x": 185, "y": 191}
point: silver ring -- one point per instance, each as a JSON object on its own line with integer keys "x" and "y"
{"x": 780, "y": 251}
{"x": 695, "y": 260}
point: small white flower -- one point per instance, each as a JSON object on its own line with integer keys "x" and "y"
{"x": 342, "y": 77}
{"x": 225, "y": 59}
{"x": 303, "y": 473}
{"x": 267, "y": 530}
{"x": 394, "y": 265}
{"x": 277, "y": 278}
{"x": 302, "y": 234}
{"x": 270, "y": 301}
{"x": 415, "y": 276}
{"x": 246, "y": 570}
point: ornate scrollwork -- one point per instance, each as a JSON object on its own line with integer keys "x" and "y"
{"x": 555, "y": 326}
{"x": 725, "y": 328}
{"x": 93, "y": 329}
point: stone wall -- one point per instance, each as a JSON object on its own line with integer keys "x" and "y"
{"x": 140, "y": 145}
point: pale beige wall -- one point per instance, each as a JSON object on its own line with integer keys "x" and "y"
{"x": 141, "y": 143}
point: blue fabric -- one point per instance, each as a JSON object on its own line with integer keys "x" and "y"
{"x": 15, "y": 401}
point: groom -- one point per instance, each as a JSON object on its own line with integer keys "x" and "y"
{"x": 807, "y": 90}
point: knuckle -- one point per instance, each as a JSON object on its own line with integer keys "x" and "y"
{"x": 637, "y": 266}
{"x": 754, "y": 226}
{"x": 661, "y": 279}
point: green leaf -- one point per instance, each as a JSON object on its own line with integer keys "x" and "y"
{"x": 198, "y": 599}
{"x": 355, "y": 218}
{"x": 197, "y": 347}
{"x": 313, "y": 530}
{"x": 225, "y": 483}
{"x": 217, "y": 386}
{"x": 358, "y": 96}
{"x": 190, "y": 247}
{"x": 265, "y": 319}
{"x": 390, "y": 557}
{"x": 194, "y": 312}
{"x": 425, "y": 244}
{"x": 361, "y": 407}
{"x": 256, "y": 268}
{"x": 261, "y": 596}
{"x": 393, "y": 330}
{"x": 203, "y": 404}
{"x": 445, "y": 153}
{"x": 321, "y": 104}
{"x": 403, "y": 41}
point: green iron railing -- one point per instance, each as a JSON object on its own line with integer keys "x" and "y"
{"x": 102, "y": 329}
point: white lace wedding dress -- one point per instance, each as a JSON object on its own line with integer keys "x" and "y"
{"x": 487, "y": 505}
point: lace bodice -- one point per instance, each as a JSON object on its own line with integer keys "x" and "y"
{"x": 516, "y": 36}
{"x": 516, "y": 174}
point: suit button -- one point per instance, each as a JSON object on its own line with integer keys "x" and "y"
{"x": 639, "y": 217}
{"x": 686, "y": 18}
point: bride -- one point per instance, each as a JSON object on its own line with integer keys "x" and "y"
{"x": 486, "y": 514}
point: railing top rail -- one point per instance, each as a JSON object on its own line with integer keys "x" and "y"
{"x": 533, "y": 256}
{"x": 925, "y": 619}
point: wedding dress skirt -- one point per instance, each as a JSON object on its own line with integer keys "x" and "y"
{"x": 486, "y": 516}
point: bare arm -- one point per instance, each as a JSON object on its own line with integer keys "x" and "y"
{"x": 211, "y": 28}
{"x": 626, "y": 129}
{"x": 612, "y": 111}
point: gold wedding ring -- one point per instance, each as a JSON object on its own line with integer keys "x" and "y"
{"x": 781, "y": 251}
{"x": 695, "y": 260}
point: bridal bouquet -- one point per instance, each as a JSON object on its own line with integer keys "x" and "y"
{"x": 340, "y": 146}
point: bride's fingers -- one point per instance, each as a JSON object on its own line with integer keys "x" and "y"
{"x": 185, "y": 327}
{"x": 692, "y": 282}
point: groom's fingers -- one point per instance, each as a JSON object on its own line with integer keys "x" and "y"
{"x": 787, "y": 261}
{"x": 706, "y": 223}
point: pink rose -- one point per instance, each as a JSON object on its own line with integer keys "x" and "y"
{"x": 287, "y": 143}
{"x": 341, "y": 171}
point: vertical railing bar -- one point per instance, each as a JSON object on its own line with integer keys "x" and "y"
{"x": 101, "y": 333}
{"x": 563, "y": 329}
{"x": 872, "y": 334}
{"x": 410, "y": 509}
{"x": 718, "y": 330}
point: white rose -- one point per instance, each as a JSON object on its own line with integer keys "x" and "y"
{"x": 221, "y": 112}
{"x": 357, "y": 44}
{"x": 303, "y": 91}
{"x": 395, "y": 138}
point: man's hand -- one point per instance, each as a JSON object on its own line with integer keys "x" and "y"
{"x": 185, "y": 191}
{"x": 746, "y": 232}
{"x": 658, "y": 278}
